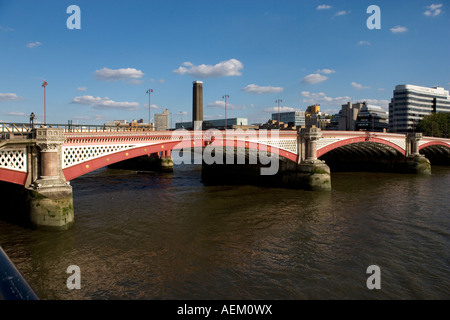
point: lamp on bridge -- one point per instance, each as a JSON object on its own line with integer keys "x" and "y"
{"x": 45, "y": 112}
{"x": 278, "y": 101}
{"x": 225, "y": 97}
{"x": 149, "y": 91}
{"x": 32, "y": 116}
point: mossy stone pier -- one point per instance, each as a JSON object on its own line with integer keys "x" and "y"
{"x": 49, "y": 199}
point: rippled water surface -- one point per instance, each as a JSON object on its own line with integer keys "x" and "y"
{"x": 168, "y": 236}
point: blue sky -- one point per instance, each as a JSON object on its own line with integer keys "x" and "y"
{"x": 255, "y": 51}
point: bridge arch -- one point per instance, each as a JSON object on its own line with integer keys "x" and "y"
{"x": 85, "y": 167}
{"x": 437, "y": 152}
{"x": 358, "y": 142}
{"x": 360, "y": 154}
{"x": 82, "y": 168}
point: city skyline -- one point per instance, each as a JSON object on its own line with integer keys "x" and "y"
{"x": 301, "y": 52}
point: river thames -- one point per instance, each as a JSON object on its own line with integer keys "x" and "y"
{"x": 169, "y": 236}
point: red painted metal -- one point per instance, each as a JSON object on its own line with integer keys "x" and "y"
{"x": 434, "y": 143}
{"x": 13, "y": 176}
{"x": 337, "y": 144}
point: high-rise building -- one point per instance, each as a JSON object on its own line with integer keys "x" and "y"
{"x": 312, "y": 116}
{"x": 411, "y": 103}
{"x": 162, "y": 121}
{"x": 372, "y": 118}
{"x": 348, "y": 116}
{"x": 292, "y": 118}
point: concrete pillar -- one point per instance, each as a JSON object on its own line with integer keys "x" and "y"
{"x": 50, "y": 196}
{"x": 412, "y": 143}
{"x": 415, "y": 162}
{"x": 310, "y": 136}
{"x": 310, "y": 173}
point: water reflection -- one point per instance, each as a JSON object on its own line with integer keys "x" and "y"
{"x": 167, "y": 236}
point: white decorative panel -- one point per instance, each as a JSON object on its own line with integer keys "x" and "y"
{"x": 14, "y": 159}
{"x": 284, "y": 144}
{"x": 75, "y": 155}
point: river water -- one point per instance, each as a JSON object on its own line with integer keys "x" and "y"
{"x": 168, "y": 236}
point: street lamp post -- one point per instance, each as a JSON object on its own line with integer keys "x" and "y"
{"x": 45, "y": 111}
{"x": 278, "y": 101}
{"x": 149, "y": 91}
{"x": 225, "y": 97}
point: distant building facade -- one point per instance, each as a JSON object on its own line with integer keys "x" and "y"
{"x": 162, "y": 121}
{"x": 292, "y": 118}
{"x": 348, "y": 116}
{"x": 372, "y": 118}
{"x": 118, "y": 123}
{"x": 217, "y": 123}
{"x": 312, "y": 116}
{"x": 360, "y": 116}
{"x": 411, "y": 103}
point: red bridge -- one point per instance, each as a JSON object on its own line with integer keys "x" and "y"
{"x": 46, "y": 159}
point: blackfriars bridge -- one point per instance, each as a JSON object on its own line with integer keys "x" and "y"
{"x": 43, "y": 161}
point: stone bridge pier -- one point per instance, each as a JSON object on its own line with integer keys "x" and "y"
{"x": 415, "y": 162}
{"x": 49, "y": 197}
{"x": 309, "y": 173}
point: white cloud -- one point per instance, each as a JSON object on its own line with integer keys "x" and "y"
{"x": 119, "y": 74}
{"x": 16, "y": 113}
{"x": 34, "y": 44}
{"x": 326, "y": 71}
{"x": 341, "y": 13}
{"x": 219, "y": 104}
{"x": 314, "y": 78}
{"x": 154, "y": 106}
{"x": 135, "y": 81}
{"x": 105, "y": 103}
{"x": 358, "y": 86}
{"x": 398, "y": 29}
{"x": 253, "y": 88}
{"x": 100, "y": 117}
{"x": 364, "y": 43}
{"x": 159, "y": 80}
{"x": 6, "y": 29}
{"x": 227, "y": 68}
{"x": 324, "y": 100}
{"x": 378, "y": 102}
{"x": 82, "y": 88}
{"x": 8, "y": 97}
{"x": 323, "y": 7}
{"x": 433, "y": 10}
{"x": 282, "y": 109}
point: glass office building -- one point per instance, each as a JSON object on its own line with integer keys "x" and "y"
{"x": 411, "y": 103}
{"x": 293, "y": 118}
